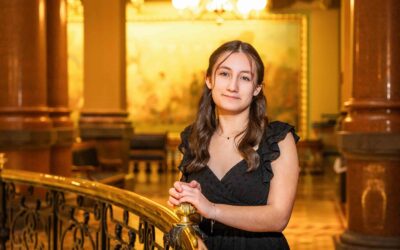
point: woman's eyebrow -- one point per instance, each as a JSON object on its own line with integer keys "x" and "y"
{"x": 224, "y": 67}
{"x": 243, "y": 71}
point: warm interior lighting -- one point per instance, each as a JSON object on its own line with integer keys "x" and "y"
{"x": 241, "y": 7}
{"x": 183, "y": 4}
{"x": 76, "y": 6}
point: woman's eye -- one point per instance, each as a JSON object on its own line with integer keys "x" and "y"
{"x": 223, "y": 73}
{"x": 246, "y": 78}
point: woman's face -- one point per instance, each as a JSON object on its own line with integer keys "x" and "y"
{"x": 233, "y": 84}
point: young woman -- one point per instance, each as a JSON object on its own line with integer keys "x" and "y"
{"x": 238, "y": 170}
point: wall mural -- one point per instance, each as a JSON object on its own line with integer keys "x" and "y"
{"x": 166, "y": 63}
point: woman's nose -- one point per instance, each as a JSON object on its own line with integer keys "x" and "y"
{"x": 233, "y": 84}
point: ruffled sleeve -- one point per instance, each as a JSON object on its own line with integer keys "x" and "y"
{"x": 184, "y": 148}
{"x": 276, "y": 131}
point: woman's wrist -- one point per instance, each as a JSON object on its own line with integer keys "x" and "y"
{"x": 213, "y": 212}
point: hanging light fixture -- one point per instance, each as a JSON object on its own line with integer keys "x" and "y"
{"x": 242, "y": 7}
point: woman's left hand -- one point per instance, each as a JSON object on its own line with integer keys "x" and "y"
{"x": 197, "y": 199}
{"x": 174, "y": 192}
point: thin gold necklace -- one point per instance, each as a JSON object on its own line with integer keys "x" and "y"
{"x": 226, "y": 137}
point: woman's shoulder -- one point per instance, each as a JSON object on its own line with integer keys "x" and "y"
{"x": 276, "y": 131}
{"x": 269, "y": 150}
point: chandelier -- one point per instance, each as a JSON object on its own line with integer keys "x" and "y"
{"x": 241, "y": 7}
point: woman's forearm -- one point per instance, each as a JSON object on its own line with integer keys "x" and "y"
{"x": 265, "y": 218}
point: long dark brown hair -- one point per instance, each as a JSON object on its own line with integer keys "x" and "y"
{"x": 206, "y": 121}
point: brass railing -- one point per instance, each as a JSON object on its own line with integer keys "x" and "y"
{"x": 41, "y": 211}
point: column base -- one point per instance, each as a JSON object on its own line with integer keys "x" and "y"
{"x": 61, "y": 150}
{"x": 111, "y": 132}
{"x": 354, "y": 241}
{"x": 105, "y": 125}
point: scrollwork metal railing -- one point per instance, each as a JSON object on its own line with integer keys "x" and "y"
{"x": 41, "y": 211}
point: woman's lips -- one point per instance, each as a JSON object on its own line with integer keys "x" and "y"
{"x": 231, "y": 96}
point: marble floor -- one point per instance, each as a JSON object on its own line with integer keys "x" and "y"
{"x": 316, "y": 218}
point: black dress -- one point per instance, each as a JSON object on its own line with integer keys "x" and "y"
{"x": 240, "y": 188}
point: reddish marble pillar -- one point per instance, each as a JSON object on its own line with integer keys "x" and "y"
{"x": 57, "y": 87}
{"x": 25, "y": 128}
{"x": 370, "y": 138}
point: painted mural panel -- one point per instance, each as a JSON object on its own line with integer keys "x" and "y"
{"x": 167, "y": 62}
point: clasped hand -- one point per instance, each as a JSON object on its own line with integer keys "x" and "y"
{"x": 191, "y": 193}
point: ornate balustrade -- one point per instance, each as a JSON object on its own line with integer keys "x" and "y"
{"x": 41, "y": 211}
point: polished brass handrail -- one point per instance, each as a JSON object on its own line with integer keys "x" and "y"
{"x": 159, "y": 216}
{"x": 162, "y": 217}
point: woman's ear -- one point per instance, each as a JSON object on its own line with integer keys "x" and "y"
{"x": 257, "y": 89}
{"x": 208, "y": 82}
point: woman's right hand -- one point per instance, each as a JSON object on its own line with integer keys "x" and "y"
{"x": 174, "y": 192}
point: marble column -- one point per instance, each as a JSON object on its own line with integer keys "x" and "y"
{"x": 25, "y": 127}
{"x": 104, "y": 118}
{"x": 370, "y": 136}
{"x": 57, "y": 87}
